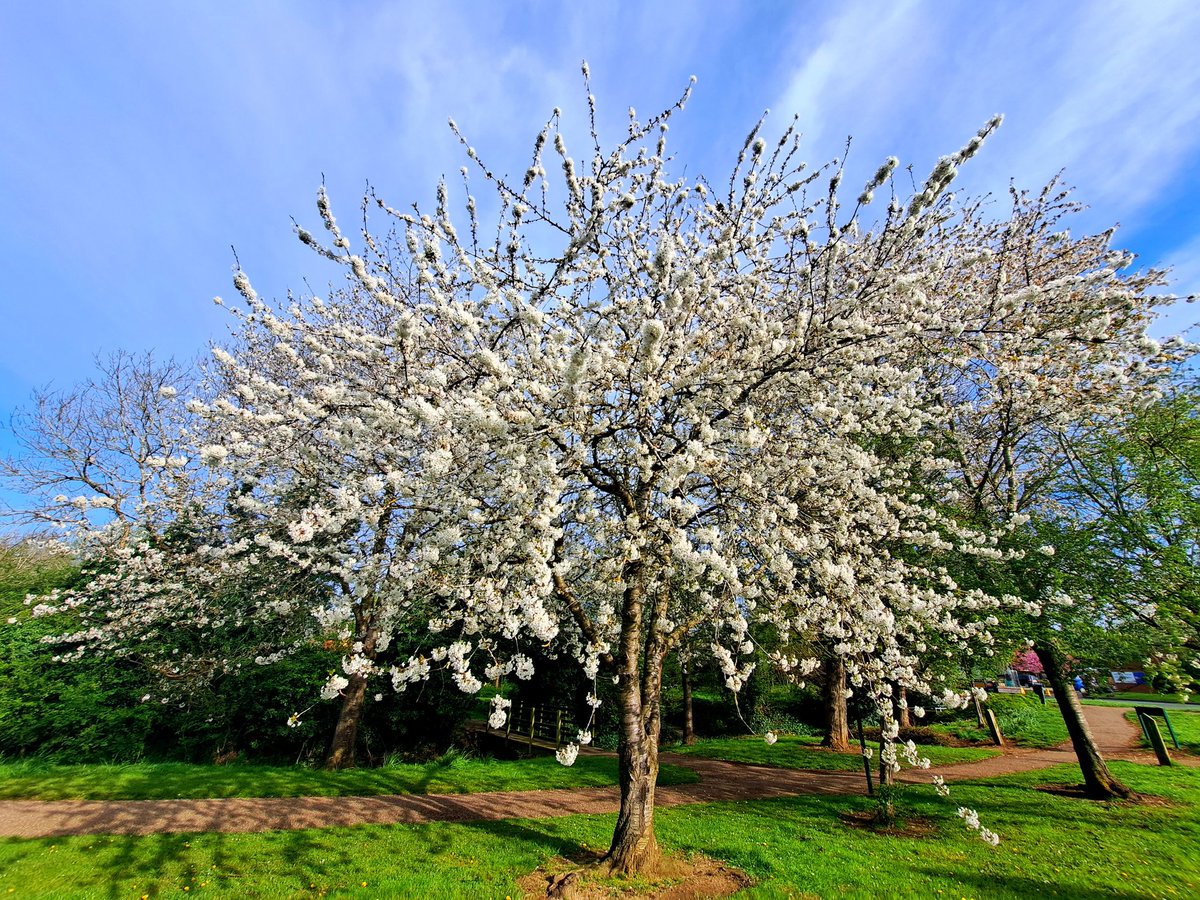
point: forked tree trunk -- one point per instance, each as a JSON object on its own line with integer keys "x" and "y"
{"x": 838, "y": 736}
{"x": 1099, "y": 782}
{"x": 634, "y": 848}
{"x": 345, "y": 735}
{"x": 689, "y": 724}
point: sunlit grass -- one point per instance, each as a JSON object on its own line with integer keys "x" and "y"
{"x": 450, "y": 775}
{"x": 1051, "y": 846}
{"x": 804, "y": 752}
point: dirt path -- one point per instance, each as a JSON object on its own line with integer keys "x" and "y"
{"x": 718, "y": 781}
{"x": 1116, "y": 737}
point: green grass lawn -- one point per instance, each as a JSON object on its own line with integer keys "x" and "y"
{"x": 1023, "y": 719}
{"x": 450, "y": 775}
{"x": 797, "y": 847}
{"x": 806, "y": 753}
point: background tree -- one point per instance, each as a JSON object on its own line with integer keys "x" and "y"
{"x": 1133, "y": 489}
{"x": 105, "y": 452}
{"x": 1008, "y": 413}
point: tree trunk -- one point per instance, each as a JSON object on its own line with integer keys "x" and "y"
{"x": 689, "y": 726}
{"x": 903, "y": 718}
{"x": 345, "y": 735}
{"x": 1099, "y": 782}
{"x": 838, "y": 736}
{"x": 634, "y": 848}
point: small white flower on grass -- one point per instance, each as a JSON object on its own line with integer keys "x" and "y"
{"x": 770, "y": 737}
{"x": 939, "y": 785}
{"x": 566, "y": 756}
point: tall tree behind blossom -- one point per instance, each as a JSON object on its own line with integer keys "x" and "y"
{"x": 1008, "y": 415}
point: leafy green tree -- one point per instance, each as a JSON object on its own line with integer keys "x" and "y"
{"x": 1134, "y": 489}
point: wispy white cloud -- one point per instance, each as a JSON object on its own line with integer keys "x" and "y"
{"x": 1122, "y": 108}
{"x": 1105, "y": 90}
{"x": 853, "y": 68}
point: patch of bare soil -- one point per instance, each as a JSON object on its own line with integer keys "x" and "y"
{"x": 677, "y": 877}
{"x": 909, "y": 826}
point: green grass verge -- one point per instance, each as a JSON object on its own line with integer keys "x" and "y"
{"x": 806, "y": 753}
{"x": 1135, "y": 697}
{"x": 797, "y": 847}
{"x": 1023, "y": 719}
{"x": 451, "y": 775}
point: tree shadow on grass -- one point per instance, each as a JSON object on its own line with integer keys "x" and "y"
{"x": 1032, "y": 887}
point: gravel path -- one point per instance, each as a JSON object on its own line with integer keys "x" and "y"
{"x": 718, "y": 781}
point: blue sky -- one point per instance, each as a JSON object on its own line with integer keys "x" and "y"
{"x": 142, "y": 139}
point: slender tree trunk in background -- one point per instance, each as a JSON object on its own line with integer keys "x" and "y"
{"x": 1099, "y": 782}
{"x": 903, "y": 718}
{"x": 689, "y": 726}
{"x": 345, "y": 735}
{"x": 838, "y": 735}
{"x": 885, "y": 810}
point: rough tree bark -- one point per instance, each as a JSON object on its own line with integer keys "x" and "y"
{"x": 634, "y": 848}
{"x": 838, "y": 734}
{"x": 1099, "y": 782}
{"x": 903, "y": 717}
{"x": 345, "y": 734}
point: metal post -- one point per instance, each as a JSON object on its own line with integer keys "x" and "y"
{"x": 1156, "y": 739}
{"x": 862, "y": 746}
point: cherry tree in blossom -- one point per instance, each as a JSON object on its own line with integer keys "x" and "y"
{"x": 638, "y": 407}
{"x": 110, "y": 470}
